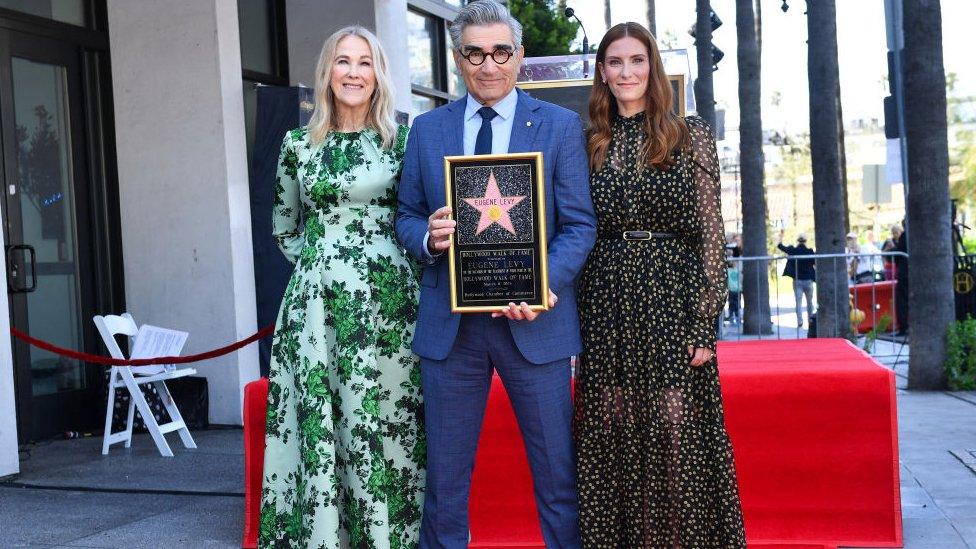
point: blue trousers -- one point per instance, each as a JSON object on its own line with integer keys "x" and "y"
{"x": 455, "y": 395}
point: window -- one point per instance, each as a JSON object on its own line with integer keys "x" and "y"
{"x": 254, "y": 18}
{"x": 65, "y": 11}
{"x": 433, "y": 76}
{"x": 264, "y": 58}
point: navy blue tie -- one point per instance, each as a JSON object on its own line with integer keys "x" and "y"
{"x": 482, "y": 145}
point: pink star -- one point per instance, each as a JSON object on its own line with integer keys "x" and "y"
{"x": 494, "y": 207}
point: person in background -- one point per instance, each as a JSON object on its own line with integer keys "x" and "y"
{"x": 870, "y": 246}
{"x": 858, "y": 266}
{"x": 734, "y": 275}
{"x": 889, "y": 246}
{"x": 803, "y": 272}
{"x": 735, "y": 244}
{"x": 901, "y": 287}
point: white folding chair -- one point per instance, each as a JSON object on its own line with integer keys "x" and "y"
{"x": 123, "y": 376}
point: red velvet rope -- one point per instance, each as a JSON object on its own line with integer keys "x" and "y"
{"x": 97, "y": 359}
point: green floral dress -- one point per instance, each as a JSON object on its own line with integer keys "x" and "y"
{"x": 345, "y": 456}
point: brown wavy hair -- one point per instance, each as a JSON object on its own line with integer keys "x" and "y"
{"x": 665, "y": 131}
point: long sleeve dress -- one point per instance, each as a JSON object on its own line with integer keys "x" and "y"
{"x": 654, "y": 459}
{"x": 345, "y": 455}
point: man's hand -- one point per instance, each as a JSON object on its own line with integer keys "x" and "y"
{"x": 522, "y": 311}
{"x": 440, "y": 227}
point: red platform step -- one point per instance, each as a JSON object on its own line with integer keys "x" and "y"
{"x": 814, "y": 428}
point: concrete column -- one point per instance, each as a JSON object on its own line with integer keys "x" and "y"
{"x": 186, "y": 232}
{"x": 9, "y": 462}
{"x": 391, "y": 28}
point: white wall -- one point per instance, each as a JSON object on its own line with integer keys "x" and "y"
{"x": 186, "y": 233}
{"x": 9, "y": 464}
{"x": 310, "y": 22}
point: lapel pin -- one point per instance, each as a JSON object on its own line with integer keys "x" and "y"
{"x": 529, "y": 123}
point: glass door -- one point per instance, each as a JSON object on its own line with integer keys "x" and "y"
{"x": 46, "y": 232}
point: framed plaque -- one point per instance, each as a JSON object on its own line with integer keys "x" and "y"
{"x": 498, "y": 249}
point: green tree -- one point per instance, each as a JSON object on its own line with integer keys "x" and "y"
{"x": 795, "y": 165}
{"x": 964, "y": 189}
{"x": 962, "y": 157}
{"x": 545, "y": 31}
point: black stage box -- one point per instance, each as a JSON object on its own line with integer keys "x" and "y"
{"x": 279, "y": 109}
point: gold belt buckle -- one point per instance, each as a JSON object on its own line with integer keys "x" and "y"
{"x": 637, "y": 235}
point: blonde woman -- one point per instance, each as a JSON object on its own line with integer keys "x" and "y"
{"x": 344, "y": 464}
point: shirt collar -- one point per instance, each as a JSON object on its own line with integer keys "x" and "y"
{"x": 505, "y": 108}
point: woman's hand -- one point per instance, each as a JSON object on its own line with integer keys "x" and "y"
{"x": 700, "y": 355}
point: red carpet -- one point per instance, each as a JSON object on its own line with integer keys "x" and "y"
{"x": 814, "y": 428}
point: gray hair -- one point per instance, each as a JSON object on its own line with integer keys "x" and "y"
{"x": 484, "y": 12}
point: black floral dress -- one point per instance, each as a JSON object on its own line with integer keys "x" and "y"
{"x": 655, "y": 461}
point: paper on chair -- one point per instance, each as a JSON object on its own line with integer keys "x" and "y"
{"x": 152, "y": 342}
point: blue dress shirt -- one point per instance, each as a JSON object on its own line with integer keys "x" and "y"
{"x": 501, "y": 125}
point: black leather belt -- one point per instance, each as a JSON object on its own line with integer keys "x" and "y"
{"x": 637, "y": 235}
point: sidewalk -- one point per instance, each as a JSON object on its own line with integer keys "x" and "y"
{"x": 69, "y": 495}
{"x": 937, "y": 440}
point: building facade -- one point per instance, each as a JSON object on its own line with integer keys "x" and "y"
{"x": 125, "y": 129}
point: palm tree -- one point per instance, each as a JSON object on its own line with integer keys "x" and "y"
{"x": 930, "y": 294}
{"x": 704, "y": 94}
{"x": 755, "y": 282}
{"x": 828, "y": 192}
{"x": 606, "y": 13}
{"x": 651, "y": 18}
{"x": 757, "y": 6}
{"x": 842, "y": 151}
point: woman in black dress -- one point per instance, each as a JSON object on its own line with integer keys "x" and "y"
{"x": 655, "y": 462}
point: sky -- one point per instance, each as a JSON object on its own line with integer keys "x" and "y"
{"x": 860, "y": 40}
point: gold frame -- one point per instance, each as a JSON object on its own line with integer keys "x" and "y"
{"x": 540, "y": 231}
{"x": 680, "y": 79}
{"x": 555, "y": 83}
{"x": 542, "y": 84}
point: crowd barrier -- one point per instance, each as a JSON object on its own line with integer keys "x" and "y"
{"x": 871, "y": 303}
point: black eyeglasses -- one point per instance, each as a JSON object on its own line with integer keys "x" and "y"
{"x": 477, "y": 57}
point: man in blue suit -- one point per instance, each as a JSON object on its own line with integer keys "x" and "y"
{"x": 529, "y": 350}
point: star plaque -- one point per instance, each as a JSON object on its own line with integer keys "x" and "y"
{"x": 498, "y": 251}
